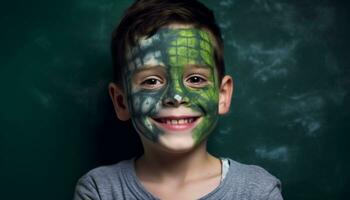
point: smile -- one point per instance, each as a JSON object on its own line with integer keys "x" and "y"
{"x": 179, "y": 123}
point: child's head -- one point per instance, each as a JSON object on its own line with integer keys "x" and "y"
{"x": 145, "y": 17}
{"x": 169, "y": 69}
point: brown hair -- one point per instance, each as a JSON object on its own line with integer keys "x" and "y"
{"x": 145, "y": 17}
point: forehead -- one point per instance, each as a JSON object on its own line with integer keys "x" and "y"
{"x": 171, "y": 46}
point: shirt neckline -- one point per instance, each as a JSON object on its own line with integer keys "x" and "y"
{"x": 142, "y": 191}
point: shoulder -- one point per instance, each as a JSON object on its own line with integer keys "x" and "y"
{"x": 101, "y": 180}
{"x": 106, "y": 173}
{"x": 107, "y": 170}
{"x": 254, "y": 181}
{"x": 252, "y": 173}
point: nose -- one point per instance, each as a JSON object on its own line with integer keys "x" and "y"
{"x": 175, "y": 101}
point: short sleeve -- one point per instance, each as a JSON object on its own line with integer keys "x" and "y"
{"x": 275, "y": 193}
{"x": 86, "y": 190}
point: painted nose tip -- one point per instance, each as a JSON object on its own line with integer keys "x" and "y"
{"x": 178, "y": 97}
{"x": 171, "y": 102}
{"x": 175, "y": 101}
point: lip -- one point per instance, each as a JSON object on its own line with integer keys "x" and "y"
{"x": 176, "y": 123}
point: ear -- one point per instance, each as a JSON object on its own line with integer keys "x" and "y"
{"x": 119, "y": 101}
{"x": 225, "y": 94}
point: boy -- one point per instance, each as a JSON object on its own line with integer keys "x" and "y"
{"x": 169, "y": 68}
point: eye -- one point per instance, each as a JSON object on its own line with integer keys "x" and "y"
{"x": 152, "y": 83}
{"x": 196, "y": 81}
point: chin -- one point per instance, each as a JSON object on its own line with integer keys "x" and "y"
{"x": 176, "y": 144}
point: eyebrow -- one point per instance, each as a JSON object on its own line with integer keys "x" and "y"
{"x": 199, "y": 66}
{"x": 147, "y": 68}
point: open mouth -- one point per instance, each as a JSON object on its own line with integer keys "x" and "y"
{"x": 176, "y": 123}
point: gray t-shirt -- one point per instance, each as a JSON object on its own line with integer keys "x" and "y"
{"x": 119, "y": 181}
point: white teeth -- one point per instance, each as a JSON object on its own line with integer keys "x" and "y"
{"x": 177, "y": 121}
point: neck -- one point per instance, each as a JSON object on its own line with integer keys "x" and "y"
{"x": 163, "y": 165}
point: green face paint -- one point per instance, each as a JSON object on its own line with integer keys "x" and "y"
{"x": 173, "y": 50}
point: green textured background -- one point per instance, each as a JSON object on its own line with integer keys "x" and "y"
{"x": 290, "y": 112}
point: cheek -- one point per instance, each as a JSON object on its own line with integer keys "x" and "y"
{"x": 143, "y": 103}
{"x": 206, "y": 98}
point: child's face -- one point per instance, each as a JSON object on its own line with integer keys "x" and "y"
{"x": 172, "y": 87}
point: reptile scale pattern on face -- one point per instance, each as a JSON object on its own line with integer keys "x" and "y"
{"x": 179, "y": 70}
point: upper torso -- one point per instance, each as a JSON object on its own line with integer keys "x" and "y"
{"x": 119, "y": 181}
